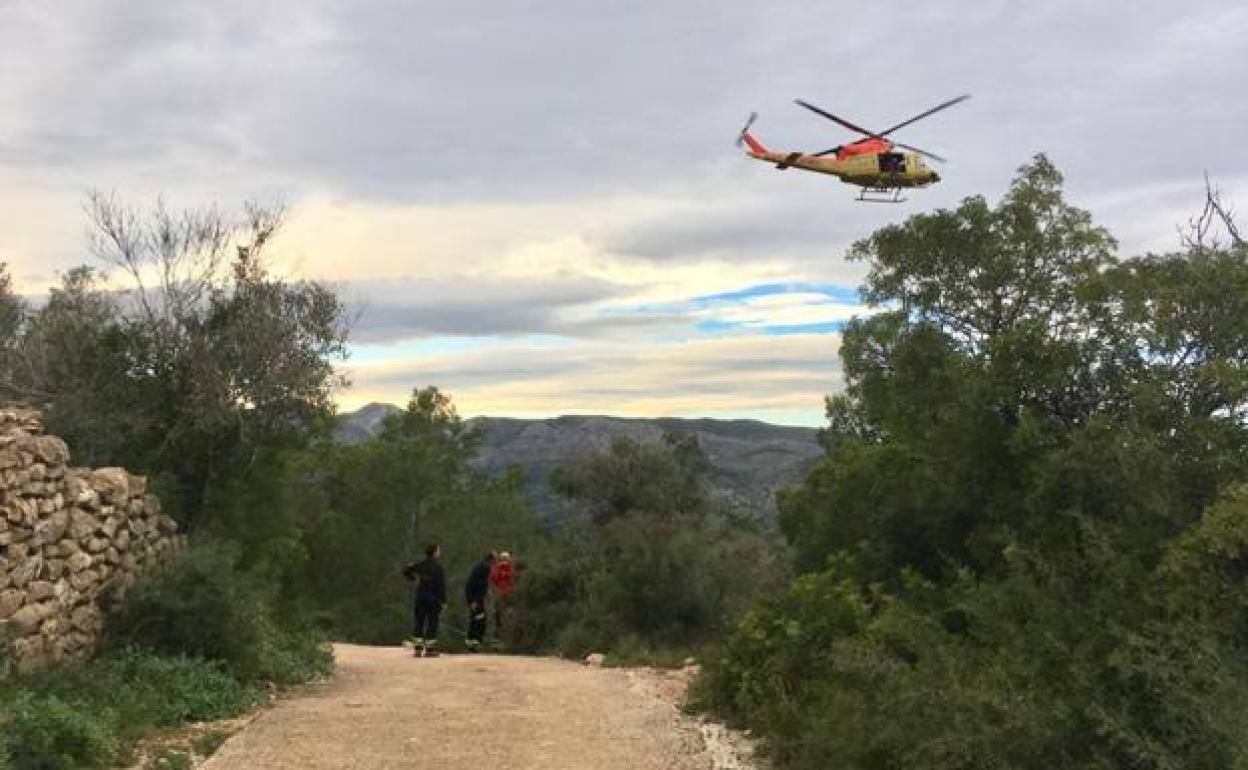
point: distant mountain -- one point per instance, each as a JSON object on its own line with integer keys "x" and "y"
{"x": 365, "y": 422}
{"x": 749, "y": 459}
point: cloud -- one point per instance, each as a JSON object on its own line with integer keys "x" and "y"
{"x": 481, "y": 306}
{"x": 788, "y": 375}
{"x": 551, "y": 186}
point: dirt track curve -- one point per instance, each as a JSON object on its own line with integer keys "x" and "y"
{"x": 385, "y": 710}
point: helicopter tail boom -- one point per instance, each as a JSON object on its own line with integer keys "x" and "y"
{"x": 755, "y": 146}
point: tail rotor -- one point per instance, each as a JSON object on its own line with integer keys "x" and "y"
{"x": 746, "y": 129}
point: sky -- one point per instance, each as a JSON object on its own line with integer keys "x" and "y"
{"x": 538, "y": 207}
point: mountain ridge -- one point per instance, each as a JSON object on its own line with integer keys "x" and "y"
{"x": 750, "y": 460}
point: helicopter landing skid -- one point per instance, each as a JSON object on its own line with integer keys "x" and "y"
{"x": 881, "y": 195}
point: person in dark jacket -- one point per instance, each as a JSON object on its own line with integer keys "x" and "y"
{"x": 475, "y": 591}
{"x": 430, "y": 601}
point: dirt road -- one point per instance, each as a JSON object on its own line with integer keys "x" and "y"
{"x": 386, "y": 710}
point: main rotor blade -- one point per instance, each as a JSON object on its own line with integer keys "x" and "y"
{"x": 834, "y": 118}
{"x": 831, "y": 151}
{"x": 931, "y": 155}
{"x": 922, "y": 115}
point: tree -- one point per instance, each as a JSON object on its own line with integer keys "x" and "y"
{"x": 210, "y": 362}
{"x": 12, "y": 311}
{"x": 1021, "y": 549}
{"x": 650, "y": 568}
{"x": 662, "y": 478}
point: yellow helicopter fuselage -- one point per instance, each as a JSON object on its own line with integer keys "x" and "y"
{"x": 877, "y": 171}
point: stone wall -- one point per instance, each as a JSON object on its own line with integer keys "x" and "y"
{"x": 71, "y": 541}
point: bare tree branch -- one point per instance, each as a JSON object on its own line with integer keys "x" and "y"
{"x": 1201, "y": 231}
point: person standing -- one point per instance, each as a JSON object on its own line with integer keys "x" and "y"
{"x": 475, "y": 591}
{"x": 430, "y": 601}
{"x": 503, "y": 579}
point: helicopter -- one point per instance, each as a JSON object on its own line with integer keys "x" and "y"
{"x": 873, "y": 163}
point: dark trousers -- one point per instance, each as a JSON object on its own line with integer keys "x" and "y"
{"x": 426, "y": 622}
{"x": 476, "y": 623}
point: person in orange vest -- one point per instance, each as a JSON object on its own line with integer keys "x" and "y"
{"x": 503, "y": 580}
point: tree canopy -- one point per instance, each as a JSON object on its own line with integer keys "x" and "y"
{"x": 1000, "y": 547}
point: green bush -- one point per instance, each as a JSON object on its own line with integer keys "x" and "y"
{"x": 1031, "y": 671}
{"x": 641, "y": 583}
{"x": 202, "y": 605}
{"x": 45, "y": 732}
{"x": 74, "y": 715}
{"x": 165, "y": 692}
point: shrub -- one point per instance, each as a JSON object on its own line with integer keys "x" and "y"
{"x": 1030, "y": 671}
{"x": 45, "y": 732}
{"x": 646, "y": 582}
{"x": 167, "y": 691}
{"x": 201, "y": 605}
{"x": 67, "y": 717}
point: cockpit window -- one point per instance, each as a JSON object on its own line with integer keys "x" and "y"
{"x": 892, "y": 162}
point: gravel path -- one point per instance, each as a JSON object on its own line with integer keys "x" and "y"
{"x": 387, "y": 710}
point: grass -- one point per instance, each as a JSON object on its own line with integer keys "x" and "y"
{"x": 90, "y": 715}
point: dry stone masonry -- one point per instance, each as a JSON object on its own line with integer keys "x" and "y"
{"x": 71, "y": 540}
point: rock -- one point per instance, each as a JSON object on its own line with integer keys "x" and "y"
{"x": 113, "y": 484}
{"x": 39, "y": 590}
{"x": 84, "y": 581}
{"x": 79, "y": 561}
{"x": 20, "y": 511}
{"x": 31, "y": 653}
{"x": 10, "y": 457}
{"x": 595, "y": 659}
{"x": 79, "y": 491}
{"x": 84, "y": 618}
{"x": 10, "y": 602}
{"x": 27, "y": 570}
{"x": 65, "y": 549}
{"x": 138, "y": 486}
{"x": 19, "y": 534}
{"x": 50, "y": 450}
{"x": 51, "y": 628}
{"x": 25, "y": 621}
{"x": 81, "y": 524}
{"x": 58, "y": 525}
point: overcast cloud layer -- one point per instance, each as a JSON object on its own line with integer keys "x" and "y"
{"x": 537, "y": 205}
